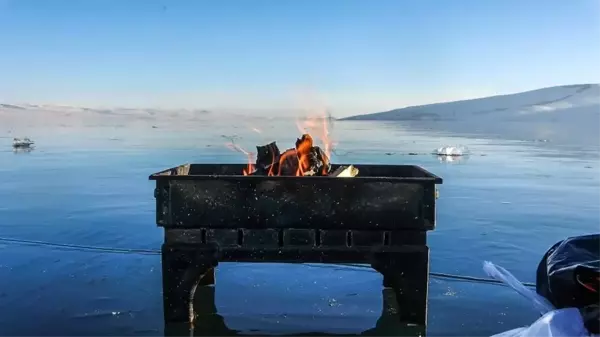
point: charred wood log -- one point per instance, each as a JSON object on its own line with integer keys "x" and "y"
{"x": 325, "y": 165}
{"x": 288, "y": 163}
{"x": 267, "y": 159}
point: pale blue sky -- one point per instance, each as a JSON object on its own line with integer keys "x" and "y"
{"x": 358, "y": 56}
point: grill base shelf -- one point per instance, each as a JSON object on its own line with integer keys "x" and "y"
{"x": 186, "y": 267}
{"x": 210, "y": 323}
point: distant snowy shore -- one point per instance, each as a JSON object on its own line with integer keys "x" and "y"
{"x": 564, "y": 114}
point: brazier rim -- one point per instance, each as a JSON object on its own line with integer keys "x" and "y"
{"x": 172, "y": 174}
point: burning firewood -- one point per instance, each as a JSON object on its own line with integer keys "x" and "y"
{"x": 312, "y": 160}
{"x": 305, "y": 159}
{"x": 288, "y": 163}
{"x": 345, "y": 172}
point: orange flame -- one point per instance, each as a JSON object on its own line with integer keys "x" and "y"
{"x": 318, "y": 126}
{"x": 303, "y": 151}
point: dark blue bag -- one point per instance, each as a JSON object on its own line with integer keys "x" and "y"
{"x": 569, "y": 276}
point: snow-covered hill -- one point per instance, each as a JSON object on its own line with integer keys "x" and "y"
{"x": 566, "y": 114}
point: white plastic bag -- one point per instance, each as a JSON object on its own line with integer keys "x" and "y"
{"x": 501, "y": 274}
{"x": 554, "y": 323}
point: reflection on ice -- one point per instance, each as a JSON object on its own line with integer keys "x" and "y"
{"x": 22, "y": 149}
{"x": 452, "y": 159}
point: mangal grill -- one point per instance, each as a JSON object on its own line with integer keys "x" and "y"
{"x": 220, "y": 212}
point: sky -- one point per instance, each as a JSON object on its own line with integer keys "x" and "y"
{"x": 352, "y": 56}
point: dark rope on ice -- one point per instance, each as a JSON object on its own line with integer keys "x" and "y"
{"x": 83, "y": 247}
{"x": 438, "y": 275}
{"x": 113, "y": 250}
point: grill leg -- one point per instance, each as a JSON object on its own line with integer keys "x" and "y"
{"x": 208, "y": 279}
{"x": 208, "y": 321}
{"x": 407, "y": 274}
{"x": 183, "y": 270}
